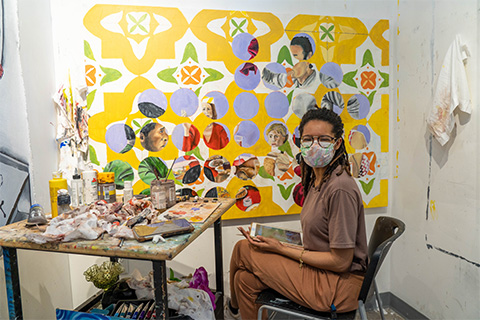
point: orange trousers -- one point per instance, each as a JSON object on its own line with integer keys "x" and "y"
{"x": 253, "y": 270}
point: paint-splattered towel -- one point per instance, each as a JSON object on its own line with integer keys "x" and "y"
{"x": 451, "y": 92}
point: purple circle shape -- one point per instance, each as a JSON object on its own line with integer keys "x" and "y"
{"x": 245, "y": 46}
{"x": 358, "y": 106}
{"x": 120, "y": 137}
{"x": 246, "y": 134}
{"x": 274, "y": 76}
{"x": 246, "y": 105}
{"x": 276, "y": 104}
{"x": 184, "y": 102}
{"x": 152, "y": 103}
{"x": 247, "y": 76}
{"x": 220, "y": 101}
{"x": 185, "y": 136}
{"x": 334, "y": 101}
{"x": 331, "y": 75}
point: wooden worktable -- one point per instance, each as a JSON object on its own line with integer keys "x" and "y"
{"x": 14, "y": 236}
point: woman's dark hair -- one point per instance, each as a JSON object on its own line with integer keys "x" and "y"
{"x": 339, "y": 159}
{"x": 303, "y": 42}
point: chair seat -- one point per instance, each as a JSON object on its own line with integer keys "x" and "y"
{"x": 272, "y": 298}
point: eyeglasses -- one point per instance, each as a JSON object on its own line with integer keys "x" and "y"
{"x": 323, "y": 141}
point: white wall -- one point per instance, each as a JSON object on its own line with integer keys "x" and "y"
{"x": 437, "y": 284}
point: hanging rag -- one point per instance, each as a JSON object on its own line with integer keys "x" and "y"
{"x": 452, "y": 91}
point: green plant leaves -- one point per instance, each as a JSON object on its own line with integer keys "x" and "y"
{"x": 213, "y": 75}
{"x": 284, "y": 55}
{"x": 93, "y": 155}
{"x": 348, "y": 78}
{"x": 149, "y": 166}
{"x": 167, "y": 75}
{"x": 123, "y": 171}
{"x": 285, "y": 191}
{"x": 386, "y": 79}
{"x": 190, "y": 52}
{"x": 90, "y": 98}
{"x": 238, "y": 27}
{"x": 110, "y": 75}
{"x": 367, "y": 187}
{"x": 196, "y": 153}
{"x": 286, "y": 148}
{"x": 368, "y": 58}
{"x": 263, "y": 173}
{"x": 87, "y": 50}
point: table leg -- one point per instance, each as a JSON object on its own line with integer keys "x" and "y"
{"x": 12, "y": 282}
{"x": 161, "y": 294}
{"x": 217, "y": 230}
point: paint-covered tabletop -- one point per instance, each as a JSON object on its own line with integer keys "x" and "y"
{"x": 15, "y": 236}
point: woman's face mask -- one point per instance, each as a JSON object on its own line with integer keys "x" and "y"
{"x": 316, "y": 156}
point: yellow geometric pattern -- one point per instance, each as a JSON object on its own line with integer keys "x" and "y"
{"x": 147, "y": 40}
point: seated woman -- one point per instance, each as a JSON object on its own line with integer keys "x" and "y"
{"x": 330, "y": 268}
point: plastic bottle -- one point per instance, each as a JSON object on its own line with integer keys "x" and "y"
{"x": 127, "y": 191}
{"x": 76, "y": 187}
{"x": 56, "y": 184}
{"x": 63, "y": 201}
{"x": 157, "y": 192}
{"x": 106, "y": 187}
{"x": 90, "y": 185}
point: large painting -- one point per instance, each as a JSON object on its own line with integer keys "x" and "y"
{"x": 217, "y": 96}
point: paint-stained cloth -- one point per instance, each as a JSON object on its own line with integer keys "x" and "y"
{"x": 452, "y": 91}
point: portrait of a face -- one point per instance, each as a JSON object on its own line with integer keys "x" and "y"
{"x": 209, "y": 110}
{"x": 276, "y": 135}
{"x": 153, "y": 137}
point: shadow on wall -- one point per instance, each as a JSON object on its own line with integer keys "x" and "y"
{"x": 14, "y": 189}
{"x": 439, "y": 152}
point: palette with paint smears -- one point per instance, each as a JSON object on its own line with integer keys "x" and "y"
{"x": 195, "y": 212}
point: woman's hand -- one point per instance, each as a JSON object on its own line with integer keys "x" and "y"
{"x": 262, "y": 243}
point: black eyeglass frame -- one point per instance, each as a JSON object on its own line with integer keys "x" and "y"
{"x": 324, "y": 144}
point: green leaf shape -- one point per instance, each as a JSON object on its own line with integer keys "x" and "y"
{"x": 190, "y": 52}
{"x": 367, "y": 187}
{"x": 110, "y": 75}
{"x": 135, "y": 122}
{"x": 286, "y": 148}
{"x": 348, "y": 78}
{"x": 200, "y": 192}
{"x": 213, "y": 75}
{"x": 172, "y": 276}
{"x": 178, "y": 182}
{"x": 87, "y": 50}
{"x": 371, "y": 96}
{"x": 196, "y": 153}
{"x": 285, "y": 191}
{"x": 386, "y": 79}
{"x": 331, "y": 28}
{"x": 148, "y": 167}
{"x": 284, "y": 55}
{"x": 289, "y": 97}
{"x": 145, "y": 192}
{"x": 197, "y": 92}
{"x": 123, "y": 171}
{"x": 167, "y": 75}
{"x": 263, "y": 173}
{"x": 93, "y": 155}
{"x": 90, "y": 98}
{"x": 368, "y": 58}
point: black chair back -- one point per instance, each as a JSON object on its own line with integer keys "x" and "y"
{"x": 385, "y": 232}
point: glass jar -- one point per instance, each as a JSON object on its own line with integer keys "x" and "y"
{"x": 158, "y": 195}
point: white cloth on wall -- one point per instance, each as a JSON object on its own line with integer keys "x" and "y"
{"x": 452, "y": 91}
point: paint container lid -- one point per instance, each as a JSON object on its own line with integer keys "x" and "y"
{"x": 57, "y": 175}
{"x": 63, "y": 199}
{"x": 106, "y": 177}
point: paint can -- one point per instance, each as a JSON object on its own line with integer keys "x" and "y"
{"x": 90, "y": 186}
{"x": 169, "y": 187}
{"x": 106, "y": 187}
{"x": 55, "y": 184}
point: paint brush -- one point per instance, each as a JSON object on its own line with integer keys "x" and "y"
{"x": 166, "y": 177}
{"x": 150, "y": 311}
{"x": 144, "y": 311}
{"x": 137, "y": 311}
{"x": 129, "y": 312}
{"x": 119, "y": 310}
